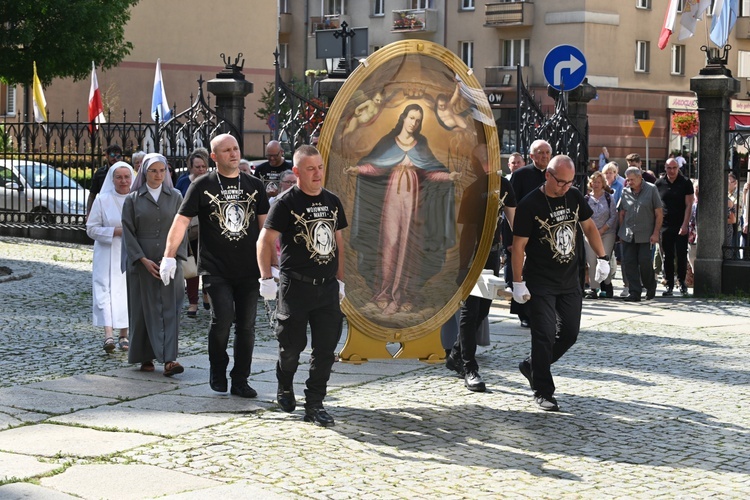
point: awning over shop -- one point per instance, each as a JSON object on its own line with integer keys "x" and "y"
{"x": 739, "y": 122}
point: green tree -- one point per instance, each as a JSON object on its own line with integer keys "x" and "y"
{"x": 62, "y": 36}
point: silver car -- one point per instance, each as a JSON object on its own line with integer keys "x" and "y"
{"x": 38, "y": 192}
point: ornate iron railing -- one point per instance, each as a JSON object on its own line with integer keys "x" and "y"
{"x": 298, "y": 118}
{"x": 557, "y": 129}
{"x": 41, "y": 197}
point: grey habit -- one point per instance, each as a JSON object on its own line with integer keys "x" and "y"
{"x": 154, "y": 309}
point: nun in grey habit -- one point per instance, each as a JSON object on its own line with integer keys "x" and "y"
{"x": 153, "y": 307}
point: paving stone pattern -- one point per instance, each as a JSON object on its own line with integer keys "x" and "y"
{"x": 654, "y": 400}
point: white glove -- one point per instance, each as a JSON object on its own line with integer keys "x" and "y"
{"x": 342, "y": 293}
{"x": 167, "y": 268}
{"x": 268, "y": 288}
{"x": 521, "y": 294}
{"x": 602, "y": 270}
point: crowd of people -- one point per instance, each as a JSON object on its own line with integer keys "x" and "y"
{"x": 560, "y": 245}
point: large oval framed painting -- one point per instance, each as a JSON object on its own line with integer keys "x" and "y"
{"x": 412, "y": 152}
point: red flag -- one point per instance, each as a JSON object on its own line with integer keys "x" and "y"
{"x": 96, "y": 108}
{"x": 668, "y": 27}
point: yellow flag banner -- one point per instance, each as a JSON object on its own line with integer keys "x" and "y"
{"x": 40, "y": 103}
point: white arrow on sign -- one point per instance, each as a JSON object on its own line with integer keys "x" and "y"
{"x": 572, "y": 65}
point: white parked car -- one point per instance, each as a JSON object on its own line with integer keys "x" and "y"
{"x": 40, "y": 190}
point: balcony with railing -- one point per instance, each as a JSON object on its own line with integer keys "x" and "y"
{"x": 332, "y": 22}
{"x": 506, "y": 76}
{"x": 415, "y": 21}
{"x": 503, "y": 14}
{"x": 285, "y": 23}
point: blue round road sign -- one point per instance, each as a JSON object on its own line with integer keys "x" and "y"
{"x": 564, "y": 67}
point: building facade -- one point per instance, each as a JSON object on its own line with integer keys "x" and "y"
{"x": 635, "y": 80}
{"x": 188, "y": 36}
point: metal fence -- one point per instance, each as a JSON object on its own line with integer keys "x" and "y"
{"x": 557, "y": 129}
{"x": 38, "y": 163}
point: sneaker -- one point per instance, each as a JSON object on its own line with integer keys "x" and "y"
{"x": 285, "y": 398}
{"x": 591, "y": 293}
{"x": 456, "y": 366}
{"x": 525, "y": 368}
{"x": 319, "y": 416}
{"x": 241, "y": 389}
{"x": 684, "y": 290}
{"x": 667, "y": 292}
{"x": 546, "y": 403}
{"x": 625, "y": 292}
{"x": 473, "y": 381}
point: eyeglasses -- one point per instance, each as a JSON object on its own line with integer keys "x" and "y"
{"x": 559, "y": 182}
{"x": 115, "y": 155}
{"x": 286, "y": 182}
{"x": 273, "y": 155}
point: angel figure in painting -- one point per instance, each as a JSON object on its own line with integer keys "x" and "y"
{"x": 364, "y": 113}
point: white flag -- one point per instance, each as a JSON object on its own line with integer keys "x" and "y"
{"x": 159, "y": 97}
{"x": 692, "y": 12}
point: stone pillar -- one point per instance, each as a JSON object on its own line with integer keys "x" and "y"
{"x": 714, "y": 87}
{"x": 230, "y": 89}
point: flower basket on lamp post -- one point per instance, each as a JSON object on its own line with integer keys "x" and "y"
{"x": 685, "y": 124}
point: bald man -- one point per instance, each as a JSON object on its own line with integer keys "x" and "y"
{"x": 546, "y": 271}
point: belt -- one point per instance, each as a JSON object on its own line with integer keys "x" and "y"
{"x": 307, "y": 279}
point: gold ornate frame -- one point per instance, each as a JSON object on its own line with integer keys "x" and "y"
{"x": 404, "y": 72}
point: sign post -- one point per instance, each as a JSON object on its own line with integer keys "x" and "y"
{"x": 646, "y": 127}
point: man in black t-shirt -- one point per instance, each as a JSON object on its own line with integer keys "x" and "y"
{"x": 231, "y": 210}
{"x": 309, "y": 220}
{"x": 270, "y": 171}
{"x": 113, "y": 155}
{"x": 545, "y": 233}
{"x": 677, "y": 194}
{"x": 471, "y": 214}
{"x": 525, "y": 180}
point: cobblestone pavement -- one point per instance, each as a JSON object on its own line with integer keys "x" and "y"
{"x": 654, "y": 400}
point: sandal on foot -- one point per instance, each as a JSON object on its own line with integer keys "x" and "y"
{"x": 172, "y": 368}
{"x": 148, "y": 366}
{"x": 124, "y": 343}
{"x": 109, "y": 345}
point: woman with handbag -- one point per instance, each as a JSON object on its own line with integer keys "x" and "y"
{"x": 154, "y": 308}
{"x": 197, "y": 165}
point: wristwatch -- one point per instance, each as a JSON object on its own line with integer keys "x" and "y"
{"x": 604, "y": 257}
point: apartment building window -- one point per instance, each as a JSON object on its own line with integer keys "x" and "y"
{"x": 678, "y": 60}
{"x": 643, "y": 4}
{"x": 334, "y": 7}
{"x": 378, "y": 7}
{"x": 642, "y": 56}
{"x": 421, "y": 4}
{"x": 467, "y": 53}
{"x": 516, "y": 52}
{"x": 10, "y": 100}
{"x": 743, "y": 64}
{"x": 467, "y": 4}
{"x": 283, "y": 6}
{"x": 283, "y": 55}
{"x": 680, "y": 5}
{"x": 744, "y": 8}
